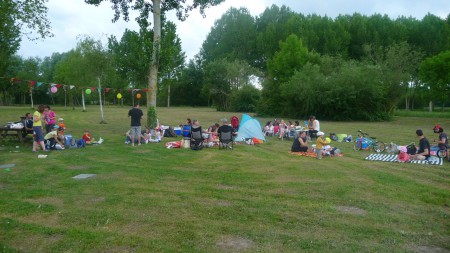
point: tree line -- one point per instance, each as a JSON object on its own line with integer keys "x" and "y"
{"x": 352, "y": 67}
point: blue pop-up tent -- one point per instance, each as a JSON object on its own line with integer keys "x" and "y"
{"x": 249, "y": 128}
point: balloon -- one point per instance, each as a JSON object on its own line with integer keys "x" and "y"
{"x": 328, "y": 139}
{"x": 54, "y": 89}
{"x": 119, "y": 96}
{"x": 88, "y": 91}
{"x": 138, "y": 96}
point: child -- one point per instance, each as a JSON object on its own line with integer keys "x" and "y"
{"x": 87, "y": 137}
{"x": 403, "y": 155}
{"x": 319, "y": 144}
{"x": 61, "y": 129}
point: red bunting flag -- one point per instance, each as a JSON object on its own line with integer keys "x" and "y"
{"x": 144, "y": 90}
{"x": 32, "y": 83}
{"x": 58, "y": 86}
{"x": 107, "y": 89}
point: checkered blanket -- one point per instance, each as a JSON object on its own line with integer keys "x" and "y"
{"x": 393, "y": 158}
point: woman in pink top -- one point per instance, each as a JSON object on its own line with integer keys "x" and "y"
{"x": 49, "y": 118}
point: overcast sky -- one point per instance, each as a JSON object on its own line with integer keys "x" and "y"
{"x": 71, "y": 18}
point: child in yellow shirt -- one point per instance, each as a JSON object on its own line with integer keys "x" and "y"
{"x": 319, "y": 144}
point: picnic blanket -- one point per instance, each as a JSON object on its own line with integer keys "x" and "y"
{"x": 311, "y": 154}
{"x": 393, "y": 158}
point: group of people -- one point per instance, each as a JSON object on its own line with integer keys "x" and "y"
{"x": 424, "y": 149}
{"x": 54, "y": 138}
{"x": 321, "y": 148}
{"x": 282, "y": 129}
{"x": 42, "y": 118}
{"x": 135, "y": 136}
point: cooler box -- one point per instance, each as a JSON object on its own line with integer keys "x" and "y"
{"x": 177, "y": 130}
{"x": 187, "y": 130}
{"x": 68, "y": 139}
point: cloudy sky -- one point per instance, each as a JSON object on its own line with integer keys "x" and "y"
{"x": 72, "y": 18}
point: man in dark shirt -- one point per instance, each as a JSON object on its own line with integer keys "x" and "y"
{"x": 136, "y": 115}
{"x": 424, "y": 147}
{"x": 225, "y": 128}
{"x": 28, "y": 123}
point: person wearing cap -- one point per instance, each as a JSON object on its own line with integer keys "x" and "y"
{"x": 423, "y": 153}
{"x": 61, "y": 125}
{"x": 442, "y": 141}
{"x": 320, "y": 142}
{"x": 403, "y": 155}
{"x": 52, "y": 138}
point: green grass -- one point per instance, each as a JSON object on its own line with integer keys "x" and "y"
{"x": 253, "y": 198}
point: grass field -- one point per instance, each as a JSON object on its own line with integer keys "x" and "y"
{"x": 250, "y": 199}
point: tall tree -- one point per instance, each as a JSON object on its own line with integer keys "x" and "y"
{"x": 435, "y": 71}
{"x": 156, "y": 7}
{"x": 233, "y": 36}
{"x": 17, "y": 18}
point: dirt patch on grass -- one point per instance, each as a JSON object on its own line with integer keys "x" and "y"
{"x": 427, "y": 249}
{"x": 226, "y": 187}
{"x": 233, "y": 244}
{"x": 2, "y": 186}
{"x": 47, "y": 201}
{"x": 98, "y": 199}
{"x": 223, "y": 203}
{"x": 77, "y": 167}
{"x": 45, "y": 220}
{"x": 351, "y": 210}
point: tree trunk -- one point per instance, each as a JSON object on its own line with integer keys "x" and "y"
{"x": 102, "y": 121}
{"x": 153, "y": 72}
{"x": 82, "y": 100}
{"x": 168, "y": 96}
{"x": 430, "y": 106}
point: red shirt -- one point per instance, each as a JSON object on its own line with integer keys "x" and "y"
{"x": 87, "y": 137}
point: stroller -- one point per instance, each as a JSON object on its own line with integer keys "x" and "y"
{"x": 196, "y": 138}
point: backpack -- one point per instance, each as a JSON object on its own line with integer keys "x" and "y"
{"x": 169, "y": 132}
{"x": 411, "y": 149}
{"x": 80, "y": 143}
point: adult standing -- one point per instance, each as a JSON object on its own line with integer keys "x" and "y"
{"x": 49, "y": 118}
{"x": 300, "y": 144}
{"x": 136, "y": 115}
{"x": 424, "y": 147}
{"x": 38, "y": 119}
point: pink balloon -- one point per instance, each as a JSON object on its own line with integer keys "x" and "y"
{"x": 54, "y": 89}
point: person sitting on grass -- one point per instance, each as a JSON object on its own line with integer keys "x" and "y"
{"x": 424, "y": 147}
{"x": 52, "y": 139}
{"x": 28, "y": 123}
{"x": 403, "y": 155}
{"x": 87, "y": 137}
{"x": 442, "y": 141}
{"x": 300, "y": 144}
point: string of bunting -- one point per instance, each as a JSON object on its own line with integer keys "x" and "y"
{"x": 54, "y": 87}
